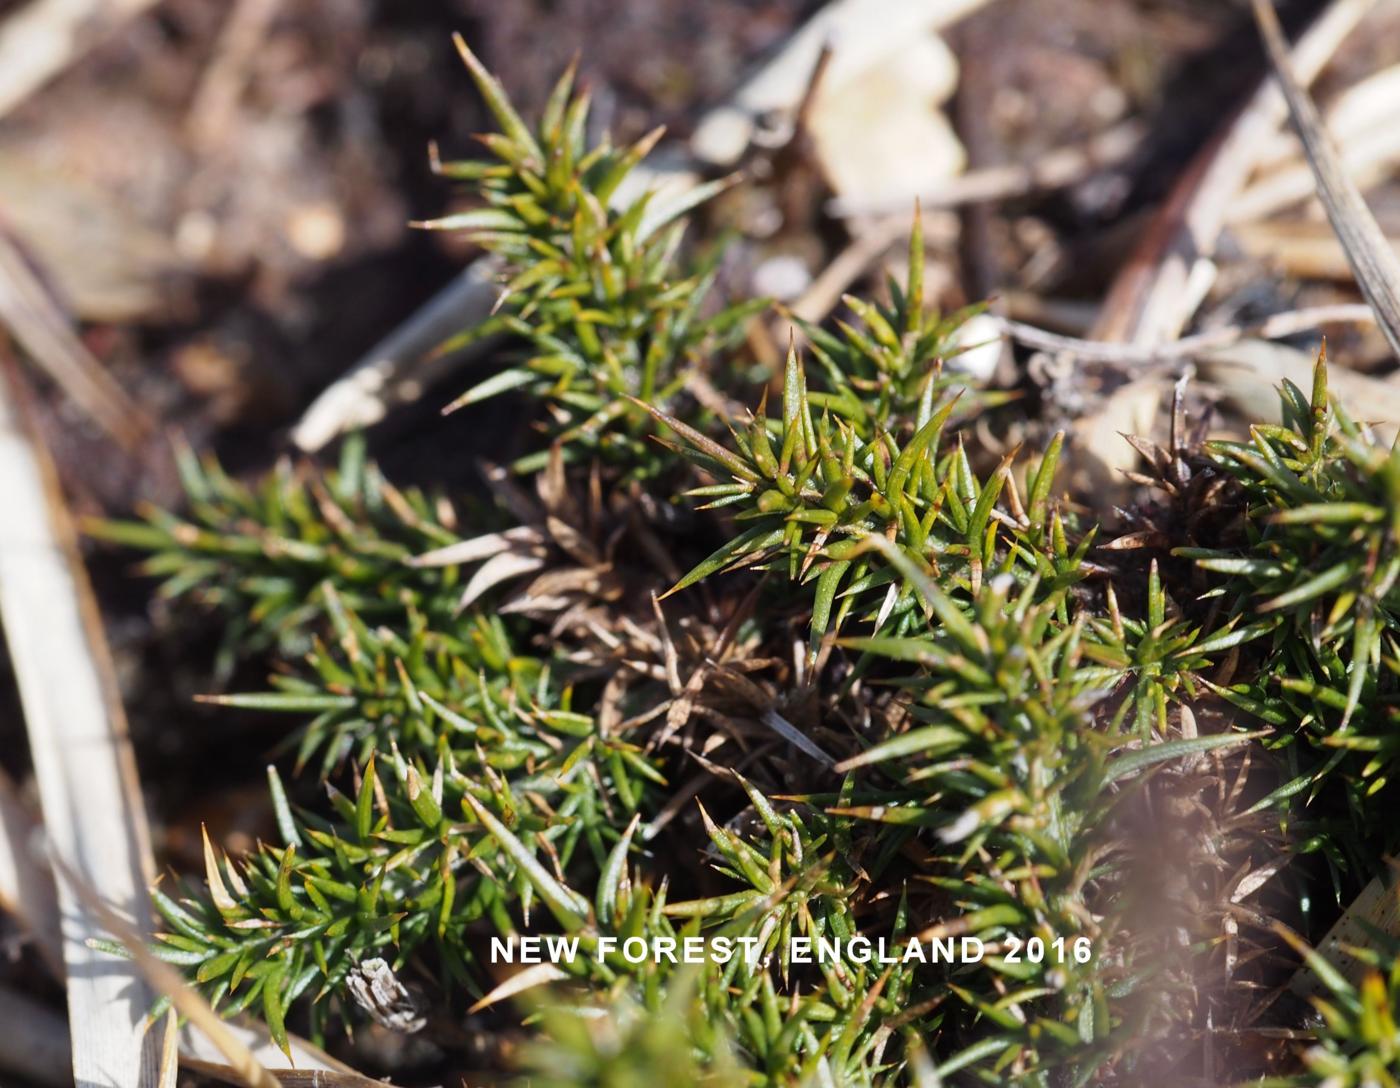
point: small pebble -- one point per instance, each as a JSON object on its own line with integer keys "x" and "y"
{"x": 784, "y": 277}
{"x": 981, "y": 335}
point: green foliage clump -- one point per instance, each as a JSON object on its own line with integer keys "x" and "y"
{"x": 1157, "y": 659}
{"x": 298, "y": 918}
{"x": 814, "y": 495}
{"x": 384, "y": 873}
{"x": 1316, "y": 566}
{"x": 369, "y": 688}
{"x": 596, "y": 291}
{"x": 887, "y": 365}
{"x": 1358, "y": 1040}
{"x": 631, "y": 1045}
{"x": 1005, "y": 698}
{"x": 260, "y": 555}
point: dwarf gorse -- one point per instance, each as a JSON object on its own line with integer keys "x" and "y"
{"x": 991, "y": 691}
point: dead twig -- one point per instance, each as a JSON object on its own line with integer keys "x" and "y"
{"x": 1288, "y": 323}
{"x": 393, "y": 371}
{"x": 1374, "y": 262}
{"x": 44, "y": 37}
{"x": 216, "y": 99}
{"x": 47, "y": 336}
{"x": 1056, "y": 169}
{"x": 824, "y": 292}
{"x": 1155, "y": 294}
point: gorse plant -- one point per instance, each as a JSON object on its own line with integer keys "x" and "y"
{"x": 887, "y": 365}
{"x": 1324, "y": 551}
{"x": 299, "y": 918}
{"x": 1156, "y": 659}
{"x": 1316, "y": 567}
{"x": 594, "y": 289}
{"x": 370, "y": 688}
{"x": 261, "y": 555}
{"x": 387, "y": 871}
{"x": 998, "y": 762}
{"x": 987, "y": 736}
{"x": 817, "y": 493}
{"x": 1358, "y": 1042}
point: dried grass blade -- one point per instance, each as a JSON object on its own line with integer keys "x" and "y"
{"x": 167, "y": 980}
{"x": 794, "y": 736}
{"x": 1376, "y": 266}
{"x": 87, "y": 779}
{"x": 287, "y": 1078}
{"x": 518, "y": 983}
{"x": 1149, "y": 301}
{"x": 82, "y": 757}
{"x": 47, "y": 336}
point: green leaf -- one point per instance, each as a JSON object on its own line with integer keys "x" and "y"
{"x": 566, "y": 905}
{"x": 929, "y": 742}
{"x": 286, "y": 823}
{"x": 613, "y": 874}
{"x": 753, "y": 541}
{"x": 1151, "y": 754}
{"x": 1314, "y": 587}
{"x": 498, "y": 102}
{"x": 425, "y": 806}
{"x": 1044, "y": 480}
{"x": 494, "y": 386}
{"x": 705, "y": 445}
{"x": 274, "y": 1011}
{"x": 292, "y": 702}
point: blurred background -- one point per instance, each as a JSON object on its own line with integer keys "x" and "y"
{"x": 217, "y": 192}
